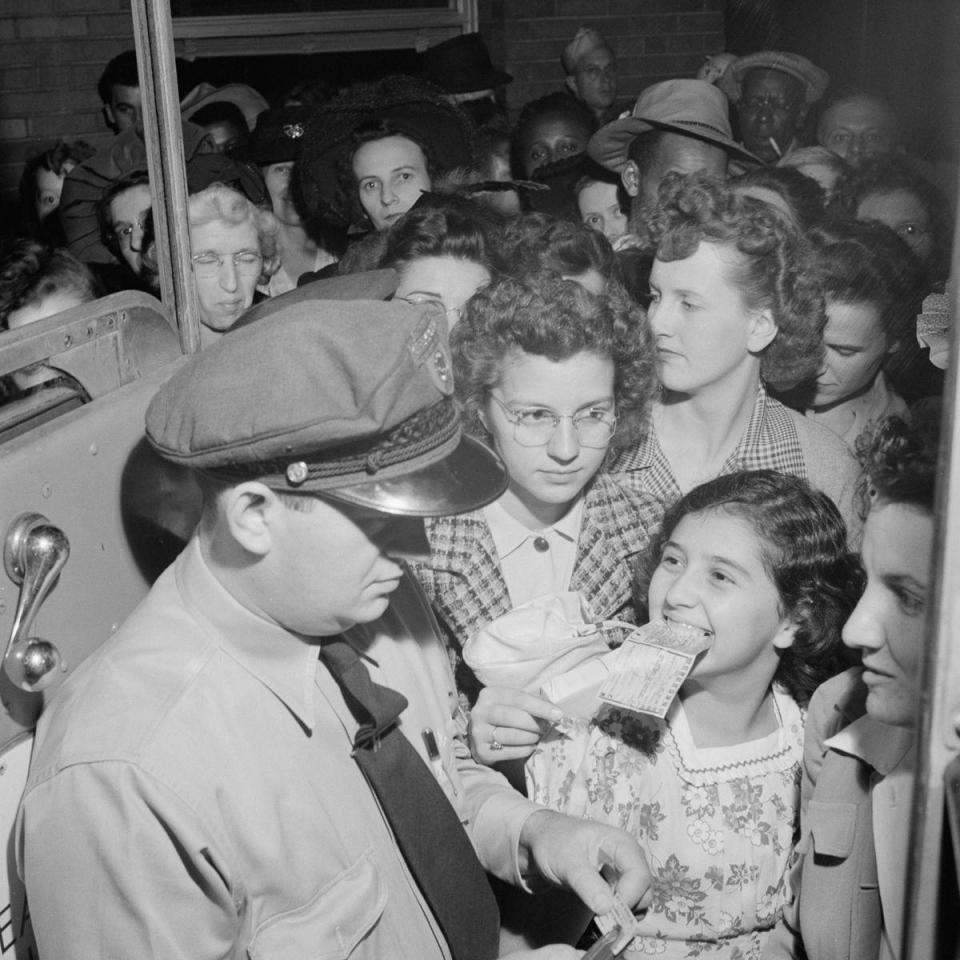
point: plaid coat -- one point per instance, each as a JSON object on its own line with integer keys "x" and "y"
{"x": 466, "y": 586}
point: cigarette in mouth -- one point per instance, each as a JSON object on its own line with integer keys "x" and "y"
{"x": 776, "y": 148}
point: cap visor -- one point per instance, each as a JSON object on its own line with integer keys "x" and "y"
{"x": 469, "y": 478}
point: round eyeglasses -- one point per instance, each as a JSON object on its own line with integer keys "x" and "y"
{"x": 534, "y": 426}
{"x": 209, "y": 264}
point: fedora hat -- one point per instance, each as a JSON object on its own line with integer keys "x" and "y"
{"x": 250, "y": 102}
{"x": 693, "y": 108}
{"x": 462, "y": 65}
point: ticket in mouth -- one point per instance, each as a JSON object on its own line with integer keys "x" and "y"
{"x": 649, "y": 668}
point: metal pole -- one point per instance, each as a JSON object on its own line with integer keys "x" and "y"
{"x": 153, "y": 36}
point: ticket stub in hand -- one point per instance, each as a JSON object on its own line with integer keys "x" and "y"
{"x": 651, "y": 665}
{"x": 621, "y": 919}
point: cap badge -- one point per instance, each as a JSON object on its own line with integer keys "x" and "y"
{"x": 297, "y": 472}
{"x": 430, "y": 350}
{"x": 293, "y": 130}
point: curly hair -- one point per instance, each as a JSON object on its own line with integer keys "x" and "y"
{"x": 803, "y": 196}
{"x": 889, "y": 173}
{"x": 900, "y": 460}
{"x": 548, "y": 317}
{"x": 445, "y": 226}
{"x": 220, "y": 203}
{"x": 862, "y": 262}
{"x": 31, "y": 271}
{"x": 558, "y": 104}
{"x": 774, "y": 267}
{"x": 803, "y": 547}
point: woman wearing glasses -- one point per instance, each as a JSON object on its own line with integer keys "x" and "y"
{"x": 555, "y": 379}
{"x": 234, "y": 248}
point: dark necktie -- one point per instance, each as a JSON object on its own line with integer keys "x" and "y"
{"x": 429, "y": 833}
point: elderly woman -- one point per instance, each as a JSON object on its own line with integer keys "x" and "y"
{"x": 233, "y": 245}
{"x": 734, "y": 305}
{"x": 555, "y": 379}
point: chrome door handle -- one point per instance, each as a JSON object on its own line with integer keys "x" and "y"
{"x": 34, "y": 553}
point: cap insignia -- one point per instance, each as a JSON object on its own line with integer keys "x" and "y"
{"x": 293, "y": 130}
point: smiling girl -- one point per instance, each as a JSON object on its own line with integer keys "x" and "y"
{"x": 758, "y": 562}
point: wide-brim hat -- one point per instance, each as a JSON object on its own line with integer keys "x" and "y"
{"x": 815, "y": 81}
{"x": 278, "y": 136}
{"x": 693, "y": 108}
{"x": 462, "y": 65}
{"x": 250, "y": 102}
{"x": 404, "y": 105}
{"x": 365, "y": 416}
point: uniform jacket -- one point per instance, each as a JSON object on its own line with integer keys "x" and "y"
{"x": 466, "y": 586}
{"x": 192, "y": 791}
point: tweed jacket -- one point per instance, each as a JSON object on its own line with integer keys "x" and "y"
{"x": 836, "y": 913}
{"x": 466, "y": 586}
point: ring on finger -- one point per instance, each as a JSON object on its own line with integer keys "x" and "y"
{"x": 495, "y": 744}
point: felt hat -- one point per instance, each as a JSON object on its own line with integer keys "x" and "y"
{"x": 815, "y": 81}
{"x": 351, "y": 401}
{"x": 250, "y": 102}
{"x": 278, "y": 135}
{"x": 209, "y": 168}
{"x": 693, "y": 108}
{"x": 462, "y": 65}
{"x": 586, "y": 41}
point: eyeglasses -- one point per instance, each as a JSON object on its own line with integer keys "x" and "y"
{"x": 454, "y": 314}
{"x": 534, "y": 426}
{"x": 209, "y": 264}
{"x": 124, "y": 231}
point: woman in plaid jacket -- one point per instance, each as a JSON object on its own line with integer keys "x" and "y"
{"x": 556, "y": 379}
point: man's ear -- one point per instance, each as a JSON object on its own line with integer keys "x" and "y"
{"x": 801, "y": 117}
{"x": 571, "y": 84}
{"x": 251, "y": 511}
{"x": 109, "y": 116}
{"x": 762, "y": 331}
{"x": 785, "y": 634}
{"x": 630, "y": 177}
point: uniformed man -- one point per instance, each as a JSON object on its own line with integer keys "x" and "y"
{"x": 265, "y": 760}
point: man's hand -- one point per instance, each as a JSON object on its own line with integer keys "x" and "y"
{"x": 571, "y": 853}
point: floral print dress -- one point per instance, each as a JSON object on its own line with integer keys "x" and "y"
{"x": 717, "y": 824}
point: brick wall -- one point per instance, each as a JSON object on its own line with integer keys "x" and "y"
{"x": 49, "y": 66}
{"x": 653, "y": 39}
{"x": 50, "y": 62}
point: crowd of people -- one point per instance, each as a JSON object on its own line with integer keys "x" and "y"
{"x": 685, "y": 385}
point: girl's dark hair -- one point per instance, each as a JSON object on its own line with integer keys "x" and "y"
{"x": 868, "y": 263}
{"x": 548, "y": 317}
{"x": 539, "y": 243}
{"x": 448, "y": 226}
{"x": 900, "y": 459}
{"x": 774, "y": 271}
{"x": 803, "y": 195}
{"x": 30, "y": 271}
{"x": 553, "y": 104}
{"x": 803, "y": 547}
